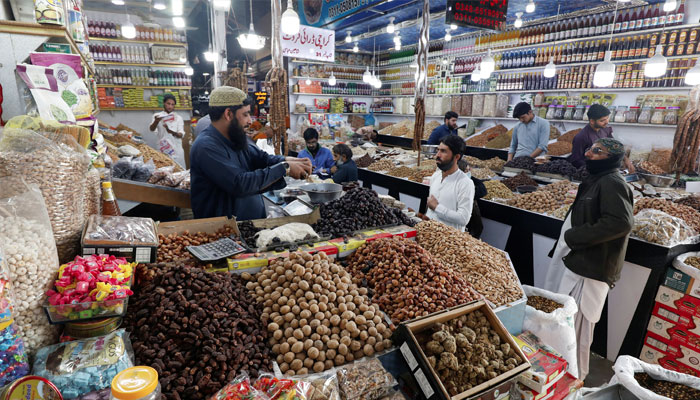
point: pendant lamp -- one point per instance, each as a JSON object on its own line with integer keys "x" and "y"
{"x": 290, "y": 20}
{"x": 605, "y": 72}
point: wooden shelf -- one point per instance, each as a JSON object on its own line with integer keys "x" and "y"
{"x": 326, "y": 79}
{"x": 138, "y": 41}
{"x": 551, "y": 121}
{"x": 139, "y": 65}
{"x": 140, "y": 109}
{"x": 154, "y": 194}
{"x": 145, "y": 87}
{"x": 29, "y": 28}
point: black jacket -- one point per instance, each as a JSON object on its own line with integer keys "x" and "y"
{"x": 601, "y": 220}
{"x": 346, "y": 172}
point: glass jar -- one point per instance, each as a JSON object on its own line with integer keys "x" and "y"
{"x": 621, "y": 114}
{"x": 631, "y": 115}
{"x": 551, "y": 111}
{"x": 542, "y": 112}
{"x": 136, "y": 383}
{"x": 539, "y": 99}
{"x": 559, "y": 112}
{"x": 657, "y": 117}
{"x": 585, "y": 112}
{"x": 578, "y": 114}
{"x": 644, "y": 116}
{"x": 671, "y": 116}
{"x": 569, "y": 113}
{"x": 613, "y": 112}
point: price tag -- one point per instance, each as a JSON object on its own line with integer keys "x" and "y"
{"x": 423, "y": 383}
{"x": 410, "y": 360}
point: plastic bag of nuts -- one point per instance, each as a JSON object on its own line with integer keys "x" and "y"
{"x": 365, "y": 379}
{"x": 687, "y": 214}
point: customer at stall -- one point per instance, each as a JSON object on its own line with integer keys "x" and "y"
{"x": 321, "y": 158}
{"x": 345, "y": 169}
{"x": 588, "y": 258}
{"x": 228, "y": 174}
{"x": 530, "y": 136}
{"x": 597, "y": 128}
{"x": 448, "y": 128}
{"x": 451, "y": 191}
{"x": 170, "y": 129}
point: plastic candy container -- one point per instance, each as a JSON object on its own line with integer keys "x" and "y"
{"x": 91, "y": 287}
{"x": 13, "y": 361}
{"x": 87, "y": 365}
{"x": 31, "y": 388}
{"x": 136, "y": 383}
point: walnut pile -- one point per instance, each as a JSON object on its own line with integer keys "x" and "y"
{"x": 466, "y": 352}
{"x": 540, "y": 202}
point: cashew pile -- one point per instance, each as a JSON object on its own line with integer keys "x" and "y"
{"x": 485, "y": 267}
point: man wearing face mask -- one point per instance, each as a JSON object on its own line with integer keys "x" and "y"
{"x": 321, "y": 158}
{"x": 451, "y": 190}
{"x": 588, "y": 258}
{"x": 228, "y": 174}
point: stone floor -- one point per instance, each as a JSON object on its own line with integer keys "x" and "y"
{"x": 600, "y": 371}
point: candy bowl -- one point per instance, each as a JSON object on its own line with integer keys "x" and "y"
{"x": 85, "y": 311}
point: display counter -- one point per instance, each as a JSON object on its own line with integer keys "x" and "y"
{"x": 396, "y": 186}
{"x": 153, "y": 194}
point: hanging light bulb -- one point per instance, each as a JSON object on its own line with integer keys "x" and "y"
{"x": 222, "y": 4}
{"x": 210, "y": 55}
{"x": 159, "y": 5}
{"x": 605, "y": 72}
{"x": 397, "y": 45}
{"x": 453, "y": 26}
{"x": 444, "y": 61}
{"x": 623, "y": 1}
{"x": 656, "y": 66}
{"x": 188, "y": 70}
{"x": 391, "y": 28}
{"x": 179, "y": 22}
{"x": 128, "y": 30}
{"x": 519, "y": 20}
{"x": 397, "y": 41}
{"x": 488, "y": 64}
{"x": 692, "y": 77}
{"x": 332, "y": 80}
{"x": 177, "y": 7}
{"x": 251, "y": 40}
{"x": 376, "y": 82}
{"x": 670, "y": 5}
{"x": 530, "y": 7}
{"x": 290, "y": 20}
{"x": 348, "y": 38}
{"x": 355, "y": 49}
{"x": 366, "y": 76}
{"x": 476, "y": 75}
{"x": 448, "y": 36}
{"x": 307, "y": 81}
{"x": 550, "y": 70}
{"x": 118, "y": 2}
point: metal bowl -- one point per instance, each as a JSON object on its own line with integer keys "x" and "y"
{"x": 658, "y": 180}
{"x": 428, "y": 149}
{"x": 323, "y": 192}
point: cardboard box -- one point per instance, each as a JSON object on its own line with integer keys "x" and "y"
{"x": 326, "y": 247}
{"x": 546, "y": 367}
{"x": 403, "y": 231}
{"x": 372, "y": 234}
{"x": 671, "y": 333}
{"x": 566, "y": 385}
{"x": 137, "y": 252}
{"x": 690, "y": 323}
{"x": 685, "y": 304}
{"x": 347, "y": 246}
{"x": 426, "y": 377}
{"x": 526, "y": 393}
{"x": 651, "y": 355}
{"x": 248, "y": 262}
{"x": 682, "y": 282}
{"x": 658, "y": 347}
{"x": 674, "y": 365}
{"x": 205, "y": 225}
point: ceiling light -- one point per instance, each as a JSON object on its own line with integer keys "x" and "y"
{"x": 348, "y": 38}
{"x": 656, "y": 65}
{"x": 307, "y": 81}
{"x": 332, "y": 80}
{"x": 205, "y": 73}
{"x": 624, "y": 1}
{"x": 366, "y": 76}
{"x": 670, "y": 5}
{"x": 530, "y": 8}
{"x": 159, "y": 5}
{"x": 118, "y": 2}
{"x": 397, "y": 45}
{"x": 550, "y": 70}
{"x": 355, "y": 49}
{"x": 179, "y": 22}
{"x": 390, "y": 28}
{"x": 444, "y": 61}
{"x": 448, "y": 36}
{"x": 128, "y": 30}
{"x": 476, "y": 75}
{"x": 290, "y": 20}
{"x": 518, "y": 21}
{"x": 605, "y": 72}
{"x": 222, "y": 4}
{"x": 488, "y": 64}
{"x": 692, "y": 77}
{"x": 177, "y": 7}
{"x": 189, "y": 71}
{"x": 251, "y": 40}
{"x": 210, "y": 56}
{"x": 376, "y": 82}
{"x": 453, "y": 26}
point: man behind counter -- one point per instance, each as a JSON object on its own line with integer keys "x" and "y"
{"x": 448, "y": 128}
{"x": 530, "y": 136}
{"x": 321, "y": 158}
{"x": 228, "y": 174}
{"x": 597, "y": 128}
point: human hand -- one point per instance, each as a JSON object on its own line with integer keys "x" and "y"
{"x": 334, "y": 169}
{"x": 432, "y": 202}
{"x": 299, "y": 170}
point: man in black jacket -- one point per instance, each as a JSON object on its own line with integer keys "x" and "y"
{"x": 590, "y": 253}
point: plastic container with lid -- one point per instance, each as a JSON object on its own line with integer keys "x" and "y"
{"x": 671, "y": 116}
{"x": 644, "y": 116}
{"x": 657, "y": 117}
{"x": 31, "y": 388}
{"x": 136, "y": 383}
{"x": 579, "y": 113}
{"x": 551, "y": 111}
{"x": 569, "y": 113}
{"x": 631, "y": 115}
{"x": 620, "y": 115}
{"x": 559, "y": 113}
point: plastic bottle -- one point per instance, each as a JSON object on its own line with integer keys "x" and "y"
{"x": 109, "y": 201}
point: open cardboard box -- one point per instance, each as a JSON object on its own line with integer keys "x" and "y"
{"x": 206, "y": 225}
{"x": 427, "y": 377}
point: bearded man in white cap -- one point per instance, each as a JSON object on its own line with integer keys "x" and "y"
{"x": 228, "y": 175}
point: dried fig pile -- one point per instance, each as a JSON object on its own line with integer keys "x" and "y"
{"x": 199, "y": 330}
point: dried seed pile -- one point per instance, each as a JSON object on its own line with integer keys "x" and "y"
{"x": 690, "y": 201}
{"x": 317, "y": 317}
{"x": 381, "y": 165}
{"x": 672, "y": 390}
{"x": 687, "y": 214}
{"x": 562, "y": 191}
{"x": 543, "y": 304}
{"x": 482, "y": 173}
{"x": 199, "y": 330}
{"x": 497, "y": 190}
{"x": 494, "y": 163}
{"x": 569, "y": 136}
{"x": 518, "y": 180}
{"x": 405, "y": 280}
{"x": 466, "y": 352}
{"x": 539, "y": 201}
{"x": 485, "y": 267}
{"x": 561, "y": 212}
{"x": 524, "y": 162}
{"x": 649, "y": 168}
{"x": 419, "y": 174}
{"x": 559, "y": 148}
{"x": 558, "y": 166}
{"x": 173, "y": 247}
{"x": 364, "y": 161}
{"x": 400, "y": 172}
{"x": 693, "y": 262}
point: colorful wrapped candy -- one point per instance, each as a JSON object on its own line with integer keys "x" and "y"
{"x": 90, "y": 287}
{"x": 13, "y": 360}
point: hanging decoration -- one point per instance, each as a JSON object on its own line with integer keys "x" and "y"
{"x": 422, "y": 79}
{"x": 276, "y": 83}
{"x": 236, "y": 77}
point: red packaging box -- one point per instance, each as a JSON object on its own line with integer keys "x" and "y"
{"x": 403, "y": 231}
{"x": 687, "y": 322}
{"x": 670, "y": 331}
{"x": 566, "y": 385}
{"x": 685, "y": 304}
{"x": 651, "y": 355}
{"x": 325, "y": 247}
{"x": 673, "y": 365}
{"x": 672, "y": 350}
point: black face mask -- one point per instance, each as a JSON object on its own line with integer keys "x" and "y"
{"x": 598, "y": 166}
{"x": 237, "y": 135}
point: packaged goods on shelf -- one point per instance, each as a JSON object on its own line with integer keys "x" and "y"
{"x": 659, "y": 227}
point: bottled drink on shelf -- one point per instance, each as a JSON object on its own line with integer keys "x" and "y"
{"x": 109, "y": 201}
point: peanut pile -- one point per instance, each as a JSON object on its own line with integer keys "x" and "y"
{"x": 466, "y": 352}
{"x": 316, "y": 316}
{"x": 650, "y": 168}
{"x": 419, "y": 174}
{"x": 693, "y": 262}
{"x": 687, "y": 214}
{"x": 400, "y": 172}
{"x": 562, "y": 191}
{"x": 497, "y": 190}
{"x": 494, "y": 163}
{"x": 485, "y": 267}
{"x": 405, "y": 280}
{"x": 559, "y": 148}
{"x": 561, "y": 212}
